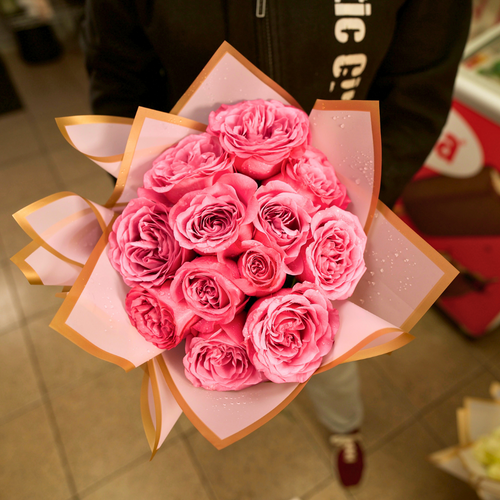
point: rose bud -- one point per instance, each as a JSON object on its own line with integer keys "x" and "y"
{"x": 262, "y": 269}
{"x": 283, "y": 220}
{"x": 333, "y": 259}
{"x": 260, "y": 134}
{"x": 157, "y": 317}
{"x": 192, "y": 164}
{"x": 216, "y": 218}
{"x": 208, "y": 288}
{"x": 288, "y": 333}
{"x": 142, "y": 247}
{"x": 312, "y": 175}
{"x": 217, "y": 360}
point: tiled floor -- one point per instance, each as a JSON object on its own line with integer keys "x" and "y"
{"x": 70, "y": 425}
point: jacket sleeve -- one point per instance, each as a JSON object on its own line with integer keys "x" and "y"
{"x": 124, "y": 70}
{"x": 415, "y": 84}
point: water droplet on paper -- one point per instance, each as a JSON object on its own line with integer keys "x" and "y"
{"x": 361, "y": 301}
{"x": 372, "y": 273}
{"x": 357, "y": 181}
{"x": 382, "y": 270}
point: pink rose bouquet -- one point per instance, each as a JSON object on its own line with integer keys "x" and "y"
{"x": 240, "y": 241}
{"x": 242, "y": 250}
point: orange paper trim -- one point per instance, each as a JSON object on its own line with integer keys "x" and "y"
{"x": 147, "y": 422}
{"x": 352, "y": 353}
{"x": 20, "y": 261}
{"x": 208, "y": 433}
{"x": 224, "y": 49}
{"x": 133, "y": 139}
{"x": 449, "y": 272}
{"x": 21, "y": 219}
{"x": 59, "y": 321}
{"x": 387, "y": 348}
{"x": 66, "y": 121}
{"x": 371, "y": 107}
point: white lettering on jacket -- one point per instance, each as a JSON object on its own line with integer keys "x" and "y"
{"x": 347, "y": 68}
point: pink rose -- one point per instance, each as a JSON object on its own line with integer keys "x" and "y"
{"x": 262, "y": 269}
{"x": 260, "y": 134}
{"x": 288, "y": 333}
{"x": 283, "y": 220}
{"x": 312, "y": 175}
{"x": 142, "y": 247}
{"x": 215, "y": 218}
{"x": 333, "y": 259}
{"x": 190, "y": 165}
{"x": 218, "y": 360}
{"x": 208, "y": 288}
{"x": 157, "y": 317}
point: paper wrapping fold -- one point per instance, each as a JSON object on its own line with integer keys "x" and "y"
{"x": 92, "y": 315}
{"x": 478, "y": 417}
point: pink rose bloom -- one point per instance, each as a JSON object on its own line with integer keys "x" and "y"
{"x": 208, "y": 287}
{"x": 283, "y": 220}
{"x": 157, "y": 317}
{"x": 190, "y": 165}
{"x": 288, "y": 333}
{"x": 333, "y": 259}
{"x": 260, "y": 134}
{"x": 218, "y": 360}
{"x": 215, "y": 218}
{"x": 142, "y": 247}
{"x": 312, "y": 175}
{"x": 262, "y": 269}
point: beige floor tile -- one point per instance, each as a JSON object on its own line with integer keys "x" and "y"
{"x": 493, "y": 365}
{"x": 97, "y": 187}
{"x": 185, "y": 425}
{"x": 385, "y": 408}
{"x": 331, "y": 492}
{"x": 438, "y": 360}
{"x": 18, "y": 385}
{"x": 442, "y": 418}
{"x": 48, "y": 131}
{"x": 74, "y": 166}
{"x": 26, "y": 181}
{"x": 12, "y": 237}
{"x": 29, "y": 463}
{"x": 48, "y": 88}
{"x": 9, "y": 316}
{"x": 18, "y": 137}
{"x": 400, "y": 470}
{"x": 170, "y": 475}
{"x": 302, "y": 409}
{"x": 62, "y": 363}
{"x": 487, "y": 348}
{"x": 276, "y": 462}
{"x": 101, "y": 425}
{"x": 34, "y": 299}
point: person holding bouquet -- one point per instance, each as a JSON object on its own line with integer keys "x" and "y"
{"x": 403, "y": 53}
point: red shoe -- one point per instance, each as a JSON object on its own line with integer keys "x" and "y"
{"x": 349, "y": 459}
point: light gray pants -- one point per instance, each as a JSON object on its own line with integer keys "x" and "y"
{"x": 337, "y": 399}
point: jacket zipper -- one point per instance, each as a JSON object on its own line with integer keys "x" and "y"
{"x": 262, "y": 12}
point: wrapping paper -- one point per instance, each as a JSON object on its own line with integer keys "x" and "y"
{"x": 478, "y": 417}
{"x": 404, "y": 277}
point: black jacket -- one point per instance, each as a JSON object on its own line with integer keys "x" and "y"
{"x": 403, "y": 53}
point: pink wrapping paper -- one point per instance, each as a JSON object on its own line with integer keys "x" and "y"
{"x": 403, "y": 279}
